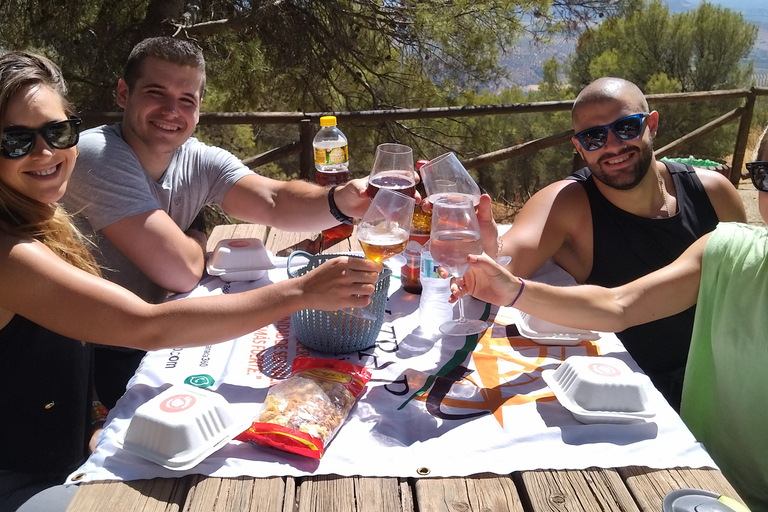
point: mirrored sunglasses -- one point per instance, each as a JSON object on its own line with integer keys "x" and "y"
{"x": 626, "y": 128}
{"x": 18, "y": 142}
{"x": 758, "y": 171}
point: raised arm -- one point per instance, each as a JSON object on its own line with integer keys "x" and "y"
{"x": 554, "y": 223}
{"x": 663, "y": 293}
{"x": 40, "y": 286}
{"x": 293, "y": 205}
{"x": 160, "y": 249}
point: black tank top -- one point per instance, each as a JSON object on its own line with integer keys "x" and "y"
{"x": 45, "y": 399}
{"x": 627, "y": 247}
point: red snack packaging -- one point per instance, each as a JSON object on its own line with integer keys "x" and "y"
{"x": 302, "y": 413}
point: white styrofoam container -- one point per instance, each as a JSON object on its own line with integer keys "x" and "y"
{"x": 181, "y": 426}
{"x": 239, "y": 259}
{"x": 548, "y": 333}
{"x": 600, "y": 390}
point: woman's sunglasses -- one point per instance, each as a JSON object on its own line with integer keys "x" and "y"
{"x": 758, "y": 171}
{"x": 18, "y": 142}
{"x": 626, "y": 128}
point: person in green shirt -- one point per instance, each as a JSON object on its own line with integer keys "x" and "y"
{"x": 725, "y": 273}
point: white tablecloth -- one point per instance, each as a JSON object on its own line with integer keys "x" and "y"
{"x": 454, "y": 406}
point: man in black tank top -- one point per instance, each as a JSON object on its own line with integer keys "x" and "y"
{"x": 623, "y": 216}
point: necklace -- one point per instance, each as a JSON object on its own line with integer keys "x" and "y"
{"x": 663, "y": 193}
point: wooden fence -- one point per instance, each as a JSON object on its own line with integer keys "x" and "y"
{"x": 308, "y": 123}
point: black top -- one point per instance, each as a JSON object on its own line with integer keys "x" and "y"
{"x": 627, "y": 247}
{"x": 45, "y": 399}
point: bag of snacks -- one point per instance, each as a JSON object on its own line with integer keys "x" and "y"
{"x": 302, "y": 413}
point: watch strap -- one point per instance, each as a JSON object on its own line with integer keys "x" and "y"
{"x": 337, "y": 214}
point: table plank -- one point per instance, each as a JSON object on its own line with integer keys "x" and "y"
{"x": 477, "y": 493}
{"x": 283, "y": 243}
{"x": 208, "y": 494}
{"x": 236, "y": 231}
{"x": 383, "y": 494}
{"x": 649, "y": 486}
{"x": 331, "y": 493}
{"x": 156, "y": 495}
{"x": 589, "y": 489}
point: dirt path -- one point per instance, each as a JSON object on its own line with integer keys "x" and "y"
{"x": 749, "y": 196}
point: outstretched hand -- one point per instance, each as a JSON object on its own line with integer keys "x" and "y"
{"x": 352, "y": 197}
{"x": 339, "y": 283}
{"x": 485, "y": 280}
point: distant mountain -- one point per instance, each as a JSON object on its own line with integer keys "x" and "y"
{"x": 525, "y": 61}
{"x": 754, "y": 11}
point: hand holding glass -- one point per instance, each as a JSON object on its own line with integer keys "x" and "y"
{"x": 444, "y": 176}
{"x": 392, "y": 169}
{"x": 383, "y": 232}
{"x": 455, "y": 235}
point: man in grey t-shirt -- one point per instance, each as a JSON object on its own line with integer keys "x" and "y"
{"x": 138, "y": 185}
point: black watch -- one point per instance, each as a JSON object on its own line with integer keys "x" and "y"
{"x": 337, "y": 214}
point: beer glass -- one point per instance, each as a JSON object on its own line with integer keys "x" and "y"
{"x": 444, "y": 176}
{"x": 455, "y": 235}
{"x": 392, "y": 169}
{"x": 383, "y": 232}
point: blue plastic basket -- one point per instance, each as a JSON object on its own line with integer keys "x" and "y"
{"x": 337, "y": 332}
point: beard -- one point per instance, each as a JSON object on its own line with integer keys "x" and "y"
{"x": 625, "y": 182}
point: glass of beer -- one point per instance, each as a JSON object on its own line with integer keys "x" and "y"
{"x": 444, "y": 176}
{"x": 392, "y": 169}
{"x": 383, "y": 232}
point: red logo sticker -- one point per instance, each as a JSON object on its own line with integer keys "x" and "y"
{"x": 605, "y": 370}
{"x": 177, "y": 403}
{"x": 239, "y": 243}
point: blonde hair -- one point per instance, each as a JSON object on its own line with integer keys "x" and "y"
{"x": 762, "y": 146}
{"x": 20, "y": 215}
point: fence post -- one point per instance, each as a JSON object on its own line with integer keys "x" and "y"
{"x": 742, "y": 138}
{"x": 307, "y": 160}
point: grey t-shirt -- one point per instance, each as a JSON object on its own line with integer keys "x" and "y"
{"x": 109, "y": 184}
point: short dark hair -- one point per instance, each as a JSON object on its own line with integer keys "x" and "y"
{"x": 169, "y": 49}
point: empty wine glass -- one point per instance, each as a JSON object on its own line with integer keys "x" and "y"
{"x": 444, "y": 176}
{"x": 383, "y": 232}
{"x": 392, "y": 169}
{"x": 455, "y": 235}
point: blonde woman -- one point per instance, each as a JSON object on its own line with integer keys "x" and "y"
{"x": 53, "y": 303}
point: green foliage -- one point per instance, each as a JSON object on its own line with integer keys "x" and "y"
{"x": 347, "y": 55}
{"x": 702, "y": 49}
{"x": 698, "y": 50}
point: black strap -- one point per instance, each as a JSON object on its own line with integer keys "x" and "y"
{"x": 337, "y": 214}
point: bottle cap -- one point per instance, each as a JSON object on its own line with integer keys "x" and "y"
{"x": 328, "y": 121}
{"x": 420, "y": 163}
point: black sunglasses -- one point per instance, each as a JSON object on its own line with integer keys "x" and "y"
{"x": 18, "y": 142}
{"x": 758, "y": 171}
{"x": 626, "y": 128}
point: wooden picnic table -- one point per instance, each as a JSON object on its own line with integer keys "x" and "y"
{"x": 631, "y": 488}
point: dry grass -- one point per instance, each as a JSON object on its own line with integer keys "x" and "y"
{"x": 504, "y": 212}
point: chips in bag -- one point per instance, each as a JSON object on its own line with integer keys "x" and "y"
{"x": 302, "y": 413}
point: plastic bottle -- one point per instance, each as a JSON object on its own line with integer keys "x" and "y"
{"x": 332, "y": 166}
{"x": 420, "y": 226}
{"x": 434, "y": 309}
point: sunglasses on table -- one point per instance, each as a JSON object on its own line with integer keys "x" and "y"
{"x": 18, "y": 142}
{"x": 758, "y": 171}
{"x": 626, "y": 128}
